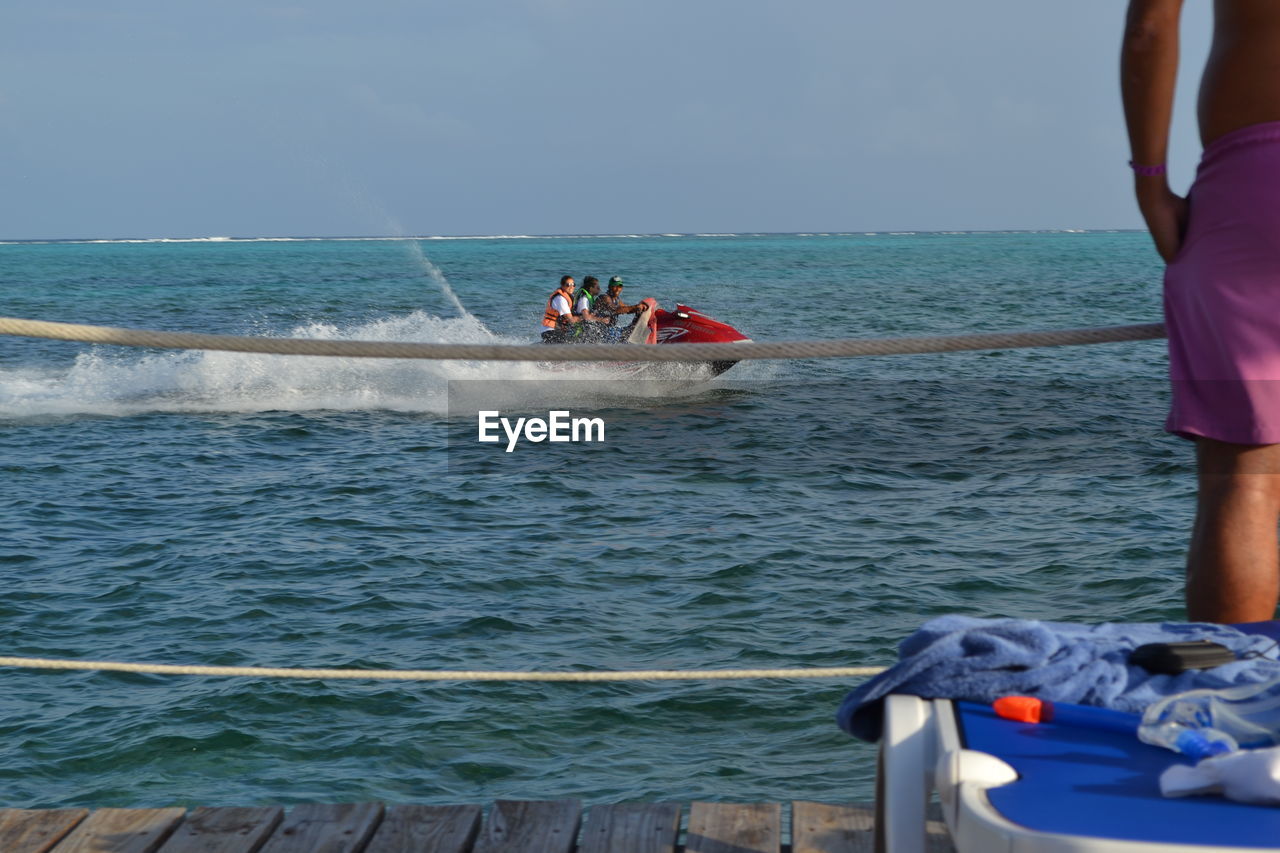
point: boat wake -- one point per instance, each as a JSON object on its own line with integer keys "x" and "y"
{"x": 111, "y": 381}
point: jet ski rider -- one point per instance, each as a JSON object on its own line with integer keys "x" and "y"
{"x": 611, "y": 305}
{"x": 558, "y": 319}
{"x": 587, "y": 308}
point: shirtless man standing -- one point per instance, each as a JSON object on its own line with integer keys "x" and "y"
{"x": 1222, "y": 287}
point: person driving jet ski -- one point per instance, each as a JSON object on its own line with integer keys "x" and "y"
{"x": 611, "y": 306}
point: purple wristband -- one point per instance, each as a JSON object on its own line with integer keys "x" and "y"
{"x": 1147, "y": 171}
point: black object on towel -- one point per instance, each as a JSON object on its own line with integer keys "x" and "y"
{"x": 1173, "y": 658}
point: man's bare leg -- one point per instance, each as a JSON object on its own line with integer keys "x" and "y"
{"x": 1233, "y": 565}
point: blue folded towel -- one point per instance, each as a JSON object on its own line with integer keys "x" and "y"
{"x": 980, "y": 660}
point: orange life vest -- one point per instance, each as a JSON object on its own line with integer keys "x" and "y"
{"x": 551, "y": 317}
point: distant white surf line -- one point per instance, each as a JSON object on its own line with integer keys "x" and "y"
{"x": 372, "y": 239}
{"x": 446, "y": 237}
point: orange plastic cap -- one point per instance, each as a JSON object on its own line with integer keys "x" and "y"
{"x": 1022, "y": 709}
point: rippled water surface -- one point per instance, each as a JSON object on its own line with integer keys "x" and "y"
{"x": 238, "y": 509}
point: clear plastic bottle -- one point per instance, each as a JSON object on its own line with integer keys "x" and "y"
{"x": 1193, "y": 743}
{"x": 1200, "y": 723}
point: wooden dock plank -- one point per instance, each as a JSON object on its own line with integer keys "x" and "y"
{"x": 325, "y": 828}
{"x": 224, "y": 830}
{"x": 513, "y": 827}
{"x": 825, "y": 828}
{"x": 734, "y": 828}
{"x": 531, "y": 826}
{"x": 438, "y": 829}
{"x": 632, "y": 828}
{"x": 36, "y": 830}
{"x": 122, "y": 831}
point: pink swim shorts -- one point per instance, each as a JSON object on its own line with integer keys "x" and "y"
{"x": 1222, "y": 295}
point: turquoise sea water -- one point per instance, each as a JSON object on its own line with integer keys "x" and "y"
{"x": 238, "y": 509}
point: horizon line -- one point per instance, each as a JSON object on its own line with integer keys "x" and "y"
{"x": 885, "y": 232}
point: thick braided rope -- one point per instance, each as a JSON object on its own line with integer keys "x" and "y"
{"x": 843, "y": 348}
{"x": 439, "y": 675}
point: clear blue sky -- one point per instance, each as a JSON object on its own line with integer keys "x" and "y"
{"x": 153, "y": 119}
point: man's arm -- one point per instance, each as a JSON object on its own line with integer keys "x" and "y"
{"x": 1148, "y": 74}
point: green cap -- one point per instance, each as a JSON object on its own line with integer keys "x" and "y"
{"x": 617, "y": 279}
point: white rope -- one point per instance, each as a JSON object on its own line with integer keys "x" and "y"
{"x": 439, "y": 675}
{"x": 839, "y": 348}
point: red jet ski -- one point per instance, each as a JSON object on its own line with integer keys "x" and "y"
{"x": 684, "y": 325}
{"x": 654, "y": 325}
{"x": 687, "y": 325}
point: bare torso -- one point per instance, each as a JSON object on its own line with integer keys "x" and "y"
{"x": 1241, "y": 83}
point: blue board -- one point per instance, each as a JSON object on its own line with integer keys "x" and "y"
{"x": 1079, "y": 781}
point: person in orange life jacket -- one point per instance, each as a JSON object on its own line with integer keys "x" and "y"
{"x": 558, "y": 319}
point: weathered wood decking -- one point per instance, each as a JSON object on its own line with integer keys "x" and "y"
{"x": 512, "y": 826}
